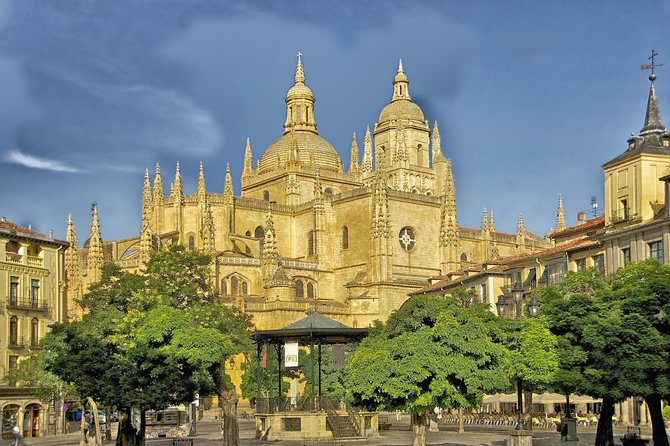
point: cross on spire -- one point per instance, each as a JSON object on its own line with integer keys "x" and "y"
{"x": 299, "y": 57}
{"x": 651, "y": 66}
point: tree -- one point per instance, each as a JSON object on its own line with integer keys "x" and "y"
{"x": 533, "y": 358}
{"x": 149, "y": 341}
{"x": 431, "y": 352}
{"x": 603, "y": 351}
{"x": 643, "y": 289}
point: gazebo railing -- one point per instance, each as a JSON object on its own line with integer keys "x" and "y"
{"x": 304, "y": 403}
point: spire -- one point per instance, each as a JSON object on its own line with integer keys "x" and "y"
{"x": 248, "y": 169}
{"x": 652, "y": 119}
{"x": 354, "y": 168}
{"x": 485, "y": 220}
{"x": 95, "y": 249}
{"x": 400, "y": 84}
{"x": 366, "y": 166}
{"x": 158, "y": 186}
{"x": 228, "y": 186}
{"x": 207, "y": 230}
{"x": 437, "y": 144}
{"x": 176, "y": 189}
{"x": 71, "y": 257}
{"x": 147, "y": 199}
{"x": 202, "y": 191}
{"x": 269, "y": 251}
{"x": 560, "y": 215}
{"x": 520, "y": 227}
{"x": 492, "y": 223}
{"x": 299, "y": 103}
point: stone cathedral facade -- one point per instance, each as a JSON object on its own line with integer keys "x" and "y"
{"x": 306, "y": 233}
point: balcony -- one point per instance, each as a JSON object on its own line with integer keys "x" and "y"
{"x": 17, "y": 343}
{"x": 27, "y": 304}
{"x": 35, "y": 261}
{"x": 13, "y": 257}
{"x": 621, "y": 215}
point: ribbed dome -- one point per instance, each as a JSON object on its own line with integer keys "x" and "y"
{"x": 299, "y": 91}
{"x": 310, "y": 147}
{"x": 401, "y": 109}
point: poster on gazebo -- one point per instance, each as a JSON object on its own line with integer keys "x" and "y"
{"x": 291, "y": 354}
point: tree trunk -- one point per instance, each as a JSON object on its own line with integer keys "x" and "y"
{"x": 231, "y": 430}
{"x": 126, "y": 432}
{"x": 659, "y": 436}
{"x": 419, "y": 429}
{"x": 461, "y": 422}
{"x": 605, "y": 434}
{"x": 527, "y": 413}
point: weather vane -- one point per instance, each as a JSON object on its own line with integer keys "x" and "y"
{"x": 651, "y": 66}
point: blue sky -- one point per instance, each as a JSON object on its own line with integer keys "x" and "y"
{"x": 532, "y": 97}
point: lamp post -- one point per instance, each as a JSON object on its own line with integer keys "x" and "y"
{"x": 517, "y": 294}
{"x": 534, "y": 307}
{"x": 501, "y": 306}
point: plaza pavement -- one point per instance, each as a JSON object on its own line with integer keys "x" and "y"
{"x": 209, "y": 434}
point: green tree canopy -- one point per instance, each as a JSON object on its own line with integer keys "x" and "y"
{"x": 148, "y": 341}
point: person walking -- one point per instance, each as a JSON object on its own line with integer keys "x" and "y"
{"x": 16, "y": 433}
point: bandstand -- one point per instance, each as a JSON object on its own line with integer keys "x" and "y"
{"x": 313, "y": 416}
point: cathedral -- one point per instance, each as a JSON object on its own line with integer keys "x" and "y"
{"x": 306, "y": 233}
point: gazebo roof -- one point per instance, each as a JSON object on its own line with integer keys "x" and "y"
{"x": 314, "y": 327}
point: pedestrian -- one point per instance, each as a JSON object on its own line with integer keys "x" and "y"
{"x": 16, "y": 433}
{"x": 87, "y": 426}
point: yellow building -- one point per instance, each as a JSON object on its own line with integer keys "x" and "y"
{"x": 31, "y": 299}
{"x": 306, "y": 233}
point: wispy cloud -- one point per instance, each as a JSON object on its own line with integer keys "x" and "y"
{"x": 15, "y": 156}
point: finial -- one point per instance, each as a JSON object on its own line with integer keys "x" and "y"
{"x": 400, "y": 66}
{"x": 651, "y": 66}
{"x": 299, "y": 73}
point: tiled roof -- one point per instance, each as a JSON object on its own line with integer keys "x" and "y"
{"x": 9, "y": 226}
{"x": 507, "y": 263}
{"x": 588, "y": 224}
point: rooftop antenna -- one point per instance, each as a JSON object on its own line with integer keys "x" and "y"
{"x": 594, "y": 205}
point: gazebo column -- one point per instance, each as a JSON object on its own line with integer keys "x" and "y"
{"x": 278, "y": 348}
{"x": 311, "y": 354}
{"x": 319, "y": 372}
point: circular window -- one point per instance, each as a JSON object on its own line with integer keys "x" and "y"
{"x": 407, "y": 238}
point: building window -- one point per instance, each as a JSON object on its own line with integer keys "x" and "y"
{"x": 191, "y": 243}
{"x": 299, "y": 289}
{"x": 245, "y": 289}
{"x": 624, "y": 209}
{"x": 310, "y": 243}
{"x": 555, "y": 272}
{"x": 599, "y": 262}
{"x": 483, "y": 295}
{"x": 259, "y": 232}
{"x": 266, "y": 195}
{"x": 581, "y": 264}
{"x": 345, "y": 238}
{"x": 34, "y": 293}
{"x": 234, "y": 285}
{"x": 310, "y": 290}
{"x": 224, "y": 287}
{"x": 34, "y": 333}
{"x": 464, "y": 257}
{"x": 13, "y": 290}
{"x": 656, "y": 250}
{"x": 13, "y": 331}
{"x": 328, "y": 191}
{"x": 407, "y": 238}
{"x": 626, "y": 255}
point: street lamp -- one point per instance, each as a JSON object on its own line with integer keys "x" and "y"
{"x": 534, "y": 306}
{"x": 501, "y": 306}
{"x": 517, "y": 294}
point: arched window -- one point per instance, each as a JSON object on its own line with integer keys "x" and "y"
{"x": 299, "y": 290}
{"x": 34, "y": 333}
{"x": 13, "y": 330}
{"x": 245, "y": 289}
{"x": 224, "y": 287}
{"x": 248, "y": 233}
{"x": 259, "y": 232}
{"x": 310, "y": 290}
{"x": 328, "y": 191}
{"x": 345, "y": 237}
{"x": 464, "y": 257}
{"x": 266, "y": 195}
{"x": 191, "y": 243}
{"x": 233, "y": 285}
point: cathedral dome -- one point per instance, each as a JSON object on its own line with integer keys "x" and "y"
{"x": 312, "y": 150}
{"x": 401, "y": 109}
{"x": 401, "y": 106}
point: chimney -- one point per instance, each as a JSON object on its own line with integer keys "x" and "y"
{"x": 581, "y": 217}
